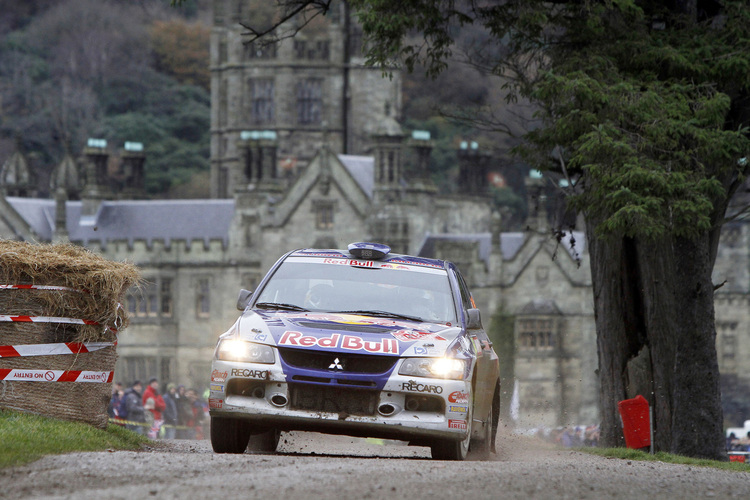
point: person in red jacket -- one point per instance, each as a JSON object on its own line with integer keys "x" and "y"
{"x": 152, "y": 392}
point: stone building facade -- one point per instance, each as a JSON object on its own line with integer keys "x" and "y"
{"x": 303, "y": 91}
{"x": 307, "y": 151}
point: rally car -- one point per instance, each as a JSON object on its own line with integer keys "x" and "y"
{"x": 360, "y": 342}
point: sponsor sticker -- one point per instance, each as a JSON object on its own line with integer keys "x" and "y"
{"x": 216, "y": 387}
{"x": 215, "y": 403}
{"x": 414, "y": 386}
{"x": 351, "y": 262}
{"x": 336, "y": 340}
{"x": 393, "y": 266}
{"x": 458, "y": 409}
{"x": 458, "y": 397}
{"x": 457, "y": 424}
{"x": 247, "y": 373}
{"x": 413, "y": 335}
{"x": 217, "y": 376}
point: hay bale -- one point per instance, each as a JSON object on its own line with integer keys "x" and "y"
{"x": 93, "y": 288}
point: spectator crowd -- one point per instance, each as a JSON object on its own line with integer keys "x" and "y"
{"x": 176, "y": 413}
{"x": 735, "y": 443}
{"x": 570, "y": 436}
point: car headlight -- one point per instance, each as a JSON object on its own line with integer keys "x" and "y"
{"x": 248, "y": 352}
{"x": 450, "y": 368}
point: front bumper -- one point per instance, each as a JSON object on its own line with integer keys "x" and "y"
{"x": 406, "y": 408}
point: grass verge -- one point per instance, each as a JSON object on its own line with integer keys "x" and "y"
{"x": 631, "y": 454}
{"x": 27, "y": 437}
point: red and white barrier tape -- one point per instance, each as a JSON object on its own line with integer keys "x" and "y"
{"x": 12, "y": 351}
{"x": 38, "y": 287}
{"x": 46, "y": 319}
{"x": 55, "y": 375}
{"x": 50, "y": 319}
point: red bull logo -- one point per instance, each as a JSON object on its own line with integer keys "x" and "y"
{"x": 336, "y": 340}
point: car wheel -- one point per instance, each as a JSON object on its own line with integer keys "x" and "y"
{"x": 450, "y": 449}
{"x": 265, "y": 442}
{"x": 229, "y": 435}
{"x": 481, "y": 448}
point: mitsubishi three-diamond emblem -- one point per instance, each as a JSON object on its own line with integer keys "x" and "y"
{"x": 336, "y": 365}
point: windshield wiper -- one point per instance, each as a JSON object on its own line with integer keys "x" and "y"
{"x": 280, "y": 306}
{"x": 383, "y": 314}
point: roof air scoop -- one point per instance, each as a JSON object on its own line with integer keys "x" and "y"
{"x": 369, "y": 251}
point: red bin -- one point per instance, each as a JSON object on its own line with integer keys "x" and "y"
{"x": 636, "y": 423}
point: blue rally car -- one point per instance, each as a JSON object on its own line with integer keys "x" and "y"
{"x": 360, "y": 342}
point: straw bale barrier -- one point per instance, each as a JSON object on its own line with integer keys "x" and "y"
{"x": 62, "y": 296}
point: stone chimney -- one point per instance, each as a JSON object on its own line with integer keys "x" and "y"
{"x": 536, "y": 219}
{"x": 258, "y": 169}
{"x": 96, "y": 187}
{"x": 420, "y": 146}
{"x": 132, "y": 171}
{"x": 473, "y": 167}
{"x": 387, "y": 144}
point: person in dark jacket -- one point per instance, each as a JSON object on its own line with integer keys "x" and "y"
{"x": 184, "y": 413}
{"x": 170, "y": 412}
{"x": 134, "y": 408}
{"x": 113, "y": 409}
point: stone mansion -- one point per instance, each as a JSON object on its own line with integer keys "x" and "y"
{"x": 307, "y": 151}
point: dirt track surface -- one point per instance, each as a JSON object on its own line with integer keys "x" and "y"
{"x": 312, "y": 466}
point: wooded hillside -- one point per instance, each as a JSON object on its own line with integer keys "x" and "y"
{"x": 121, "y": 71}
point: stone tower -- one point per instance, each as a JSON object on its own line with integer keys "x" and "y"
{"x": 297, "y": 90}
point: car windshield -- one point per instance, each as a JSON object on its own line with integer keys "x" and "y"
{"x": 396, "y": 291}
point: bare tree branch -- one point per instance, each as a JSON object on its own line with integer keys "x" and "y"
{"x": 301, "y": 11}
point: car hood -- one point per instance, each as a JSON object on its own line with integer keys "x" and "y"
{"x": 346, "y": 333}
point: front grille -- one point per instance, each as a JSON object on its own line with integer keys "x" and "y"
{"x": 333, "y": 399}
{"x": 350, "y": 363}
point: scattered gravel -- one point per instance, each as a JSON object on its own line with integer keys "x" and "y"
{"x": 312, "y": 466}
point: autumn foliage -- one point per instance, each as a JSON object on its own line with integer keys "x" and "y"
{"x": 180, "y": 50}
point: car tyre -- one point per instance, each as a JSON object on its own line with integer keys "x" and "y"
{"x": 264, "y": 442}
{"x": 229, "y": 435}
{"x": 451, "y": 449}
{"x": 481, "y": 448}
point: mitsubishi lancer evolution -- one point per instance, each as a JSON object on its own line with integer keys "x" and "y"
{"x": 360, "y": 342}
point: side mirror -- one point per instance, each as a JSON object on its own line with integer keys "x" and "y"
{"x": 244, "y": 299}
{"x": 475, "y": 320}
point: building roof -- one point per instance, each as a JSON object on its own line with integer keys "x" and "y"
{"x": 510, "y": 243}
{"x": 546, "y": 307}
{"x": 165, "y": 220}
{"x": 484, "y": 241}
{"x": 362, "y": 169}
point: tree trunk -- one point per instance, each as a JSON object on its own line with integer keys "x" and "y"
{"x": 697, "y": 417}
{"x": 657, "y": 294}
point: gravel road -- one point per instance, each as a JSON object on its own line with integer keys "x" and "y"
{"x": 312, "y": 466}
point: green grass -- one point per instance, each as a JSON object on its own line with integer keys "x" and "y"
{"x": 27, "y": 437}
{"x": 631, "y": 454}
